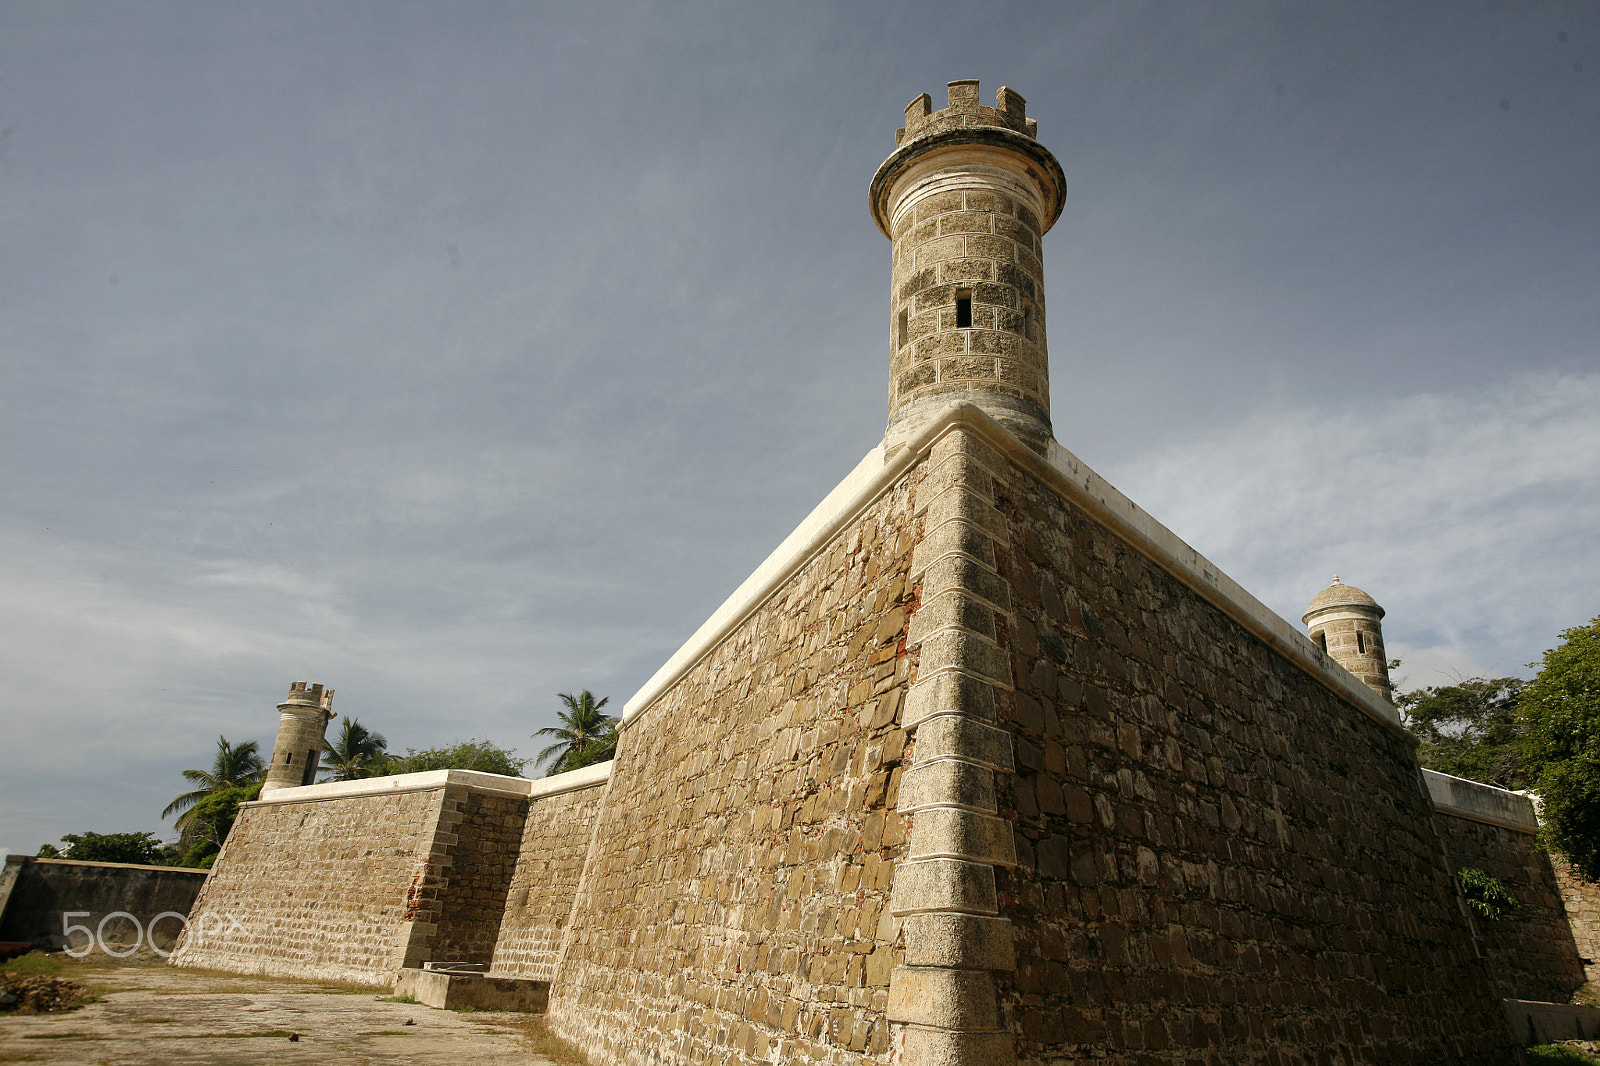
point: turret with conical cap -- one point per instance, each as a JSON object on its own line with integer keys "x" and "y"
{"x": 966, "y": 197}
{"x": 1348, "y": 624}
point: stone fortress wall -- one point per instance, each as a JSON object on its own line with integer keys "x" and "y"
{"x": 558, "y": 827}
{"x": 734, "y": 909}
{"x": 981, "y": 765}
{"x": 352, "y": 881}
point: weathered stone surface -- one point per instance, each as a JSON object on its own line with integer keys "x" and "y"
{"x": 947, "y": 692}
{"x": 954, "y": 833}
{"x": 554, "y": 844}
{"x": 937, "y": 995}
{"x": 951, "y": 885}
{"x": 963, "y": 941}
{"x": 735, "y": 905}
{"x": 1531, "y": 953}
{"x": 956, "y": 735}
{"x": 354, "y": 888}
{"x": 1216, "y": 854}
{"x": 945, "y": 783}
{"x": 921, "y": 1046}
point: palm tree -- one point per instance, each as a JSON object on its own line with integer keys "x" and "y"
{"x": 358, "y": 753}
{"x": 234, "y": 767}
{"x": 584, "y": 736}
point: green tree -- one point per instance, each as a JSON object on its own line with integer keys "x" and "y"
{"x": 141, "y": 849}
{"x": 210, "y": 821}
{"x": 1470, "y": 729}
{"x": 585, "y": 735}
{"x": 479, "y": 755}
{"x": 358, "y": 753}
{"x": 233, "y": 767}
{"x": 1561, "y": 714}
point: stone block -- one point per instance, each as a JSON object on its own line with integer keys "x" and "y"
{"x": 954, "y": 833}
{"x": 943, "y": 885}
{"x": 957, "y": 735}
{"x": 952, "y": 537}
{"x": 948, "y": 999}
{"x": 958, "y": 503}
{"x": 947, "y": 692}
{"x": 955, "y": 649}
{"x": 950, "y": 610}
{"x": 963, "y": 573}
{"x": 921, "y": 1046}
{"x": 947, "y": 782}
{"x": 964, "y": 941}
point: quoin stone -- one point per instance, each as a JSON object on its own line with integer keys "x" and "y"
{"x": 303, "y": 719}
{"x": 1348, "y": 624}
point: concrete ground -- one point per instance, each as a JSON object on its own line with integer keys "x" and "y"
{"x": 152, "y": 1013}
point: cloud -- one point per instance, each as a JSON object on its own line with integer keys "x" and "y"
{"x": 1470, "y": 515}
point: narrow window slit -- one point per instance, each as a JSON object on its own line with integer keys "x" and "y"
{"x": 964, "y": 309}
{"x": 900, "y": 335}
{"x": 1361, "y": 643}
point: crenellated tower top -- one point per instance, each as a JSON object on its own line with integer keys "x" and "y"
{"x": 966, "y": 197}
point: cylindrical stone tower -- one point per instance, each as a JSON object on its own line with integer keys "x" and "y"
{"x": 965, "y": 198}
{"x": 302, "y": 722}
{"x": 1347, "y": 624}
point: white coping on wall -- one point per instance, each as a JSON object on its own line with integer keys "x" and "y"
{"x": 1481, "y": 803}
{"x": 495, "y": 784}
{"x": 1069, "y": 475}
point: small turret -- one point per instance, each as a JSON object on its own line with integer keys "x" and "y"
{"x": 302, "y": 723}
{"x": 965, "y": 198}
{"x": 1347, "y": 624}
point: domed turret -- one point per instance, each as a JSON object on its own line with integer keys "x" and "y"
{"x": 1346, "y": 623}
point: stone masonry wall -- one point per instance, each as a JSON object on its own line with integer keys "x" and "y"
{"x": 1217, "y": 859}
{"x": 352, "y": 888}
{"x": 484, "y": 856}
{"x": 36, "y": 894}
{"x": 555, "y": 842}
{"x": 1581, "y": 901}
{"x": 733, "y": 910}
{"x": 315, "y": 889}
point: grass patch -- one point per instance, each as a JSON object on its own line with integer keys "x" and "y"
{"x": 62, "y": 1036}
{"x": 281, "y": 1034}
{"x": 398, "y": 999}
{"x": 33, "y": 964}
{"x": 541, "y": 1041}
{"x": 1559, "y": 1055}
{"x": 385, "y": 1032}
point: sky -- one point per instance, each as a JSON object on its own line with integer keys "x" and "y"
{"x": 459, "y": 355}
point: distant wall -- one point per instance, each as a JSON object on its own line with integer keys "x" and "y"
{"x": 734, "y": 908}
{"x": 41, "y": 891}
{"x": 562, "y": 811}
{"x": 351, "y": 881}
{"x": 1530, "y": 953}
{"x": 1581, "y": 901}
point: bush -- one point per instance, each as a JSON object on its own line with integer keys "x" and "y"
{"x": 1486, "y": 897}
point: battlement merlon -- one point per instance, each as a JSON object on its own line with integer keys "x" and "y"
{"x": 967, "y": 124}
{"x": 304, "y": 696}
{"x": 1010, "y": 111}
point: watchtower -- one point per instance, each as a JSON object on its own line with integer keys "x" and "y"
{"x": 1347, "y": 624}
{"x": 302, "y": 722}
{"x": 965, "y": 198}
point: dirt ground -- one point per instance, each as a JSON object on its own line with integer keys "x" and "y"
{"x": 149, "y": 1012}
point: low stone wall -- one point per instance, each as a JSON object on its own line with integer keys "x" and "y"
{"x": 562, "y": 812}
{"x": 352, "y": 881}
{"x": 37, "y": 896}
{"x": 1529, "y": 954}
